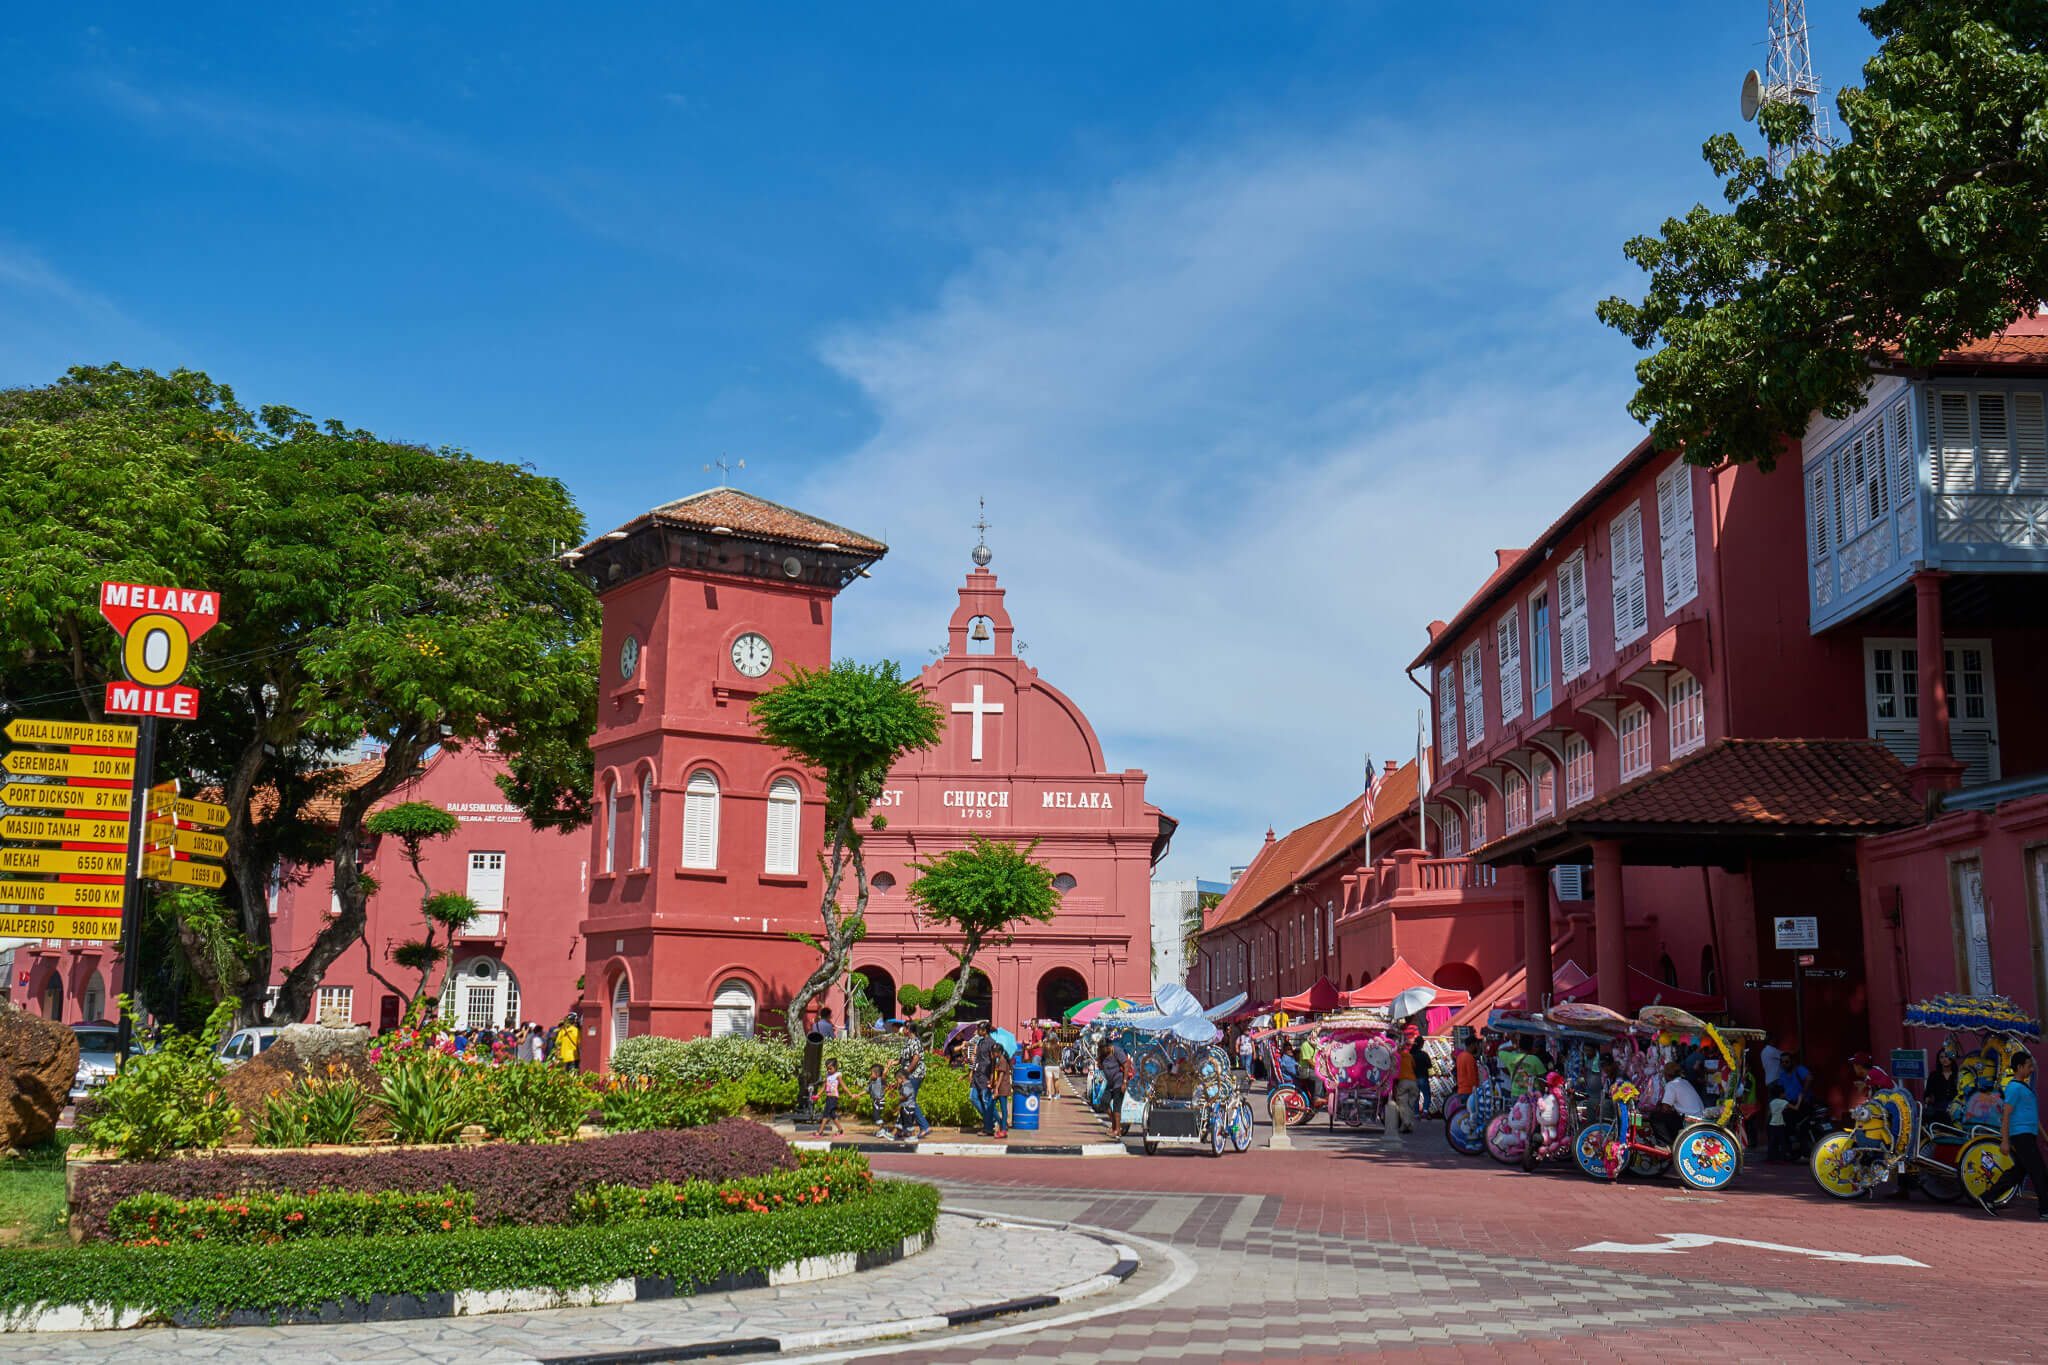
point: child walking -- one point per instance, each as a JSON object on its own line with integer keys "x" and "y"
{"x": 878, "y": 1094}
{"x": 1781, "y": 1134}
{"x": 831, "y": 1101}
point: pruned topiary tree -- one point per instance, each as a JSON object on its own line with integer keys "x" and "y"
{"x": 412, "y": 823}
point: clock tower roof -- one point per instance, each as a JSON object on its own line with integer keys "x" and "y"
{"x": 734, "y": 511}
{"x": 727, "y": 531}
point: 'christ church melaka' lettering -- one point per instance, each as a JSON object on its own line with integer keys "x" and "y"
{"x": 1077, "y": 801}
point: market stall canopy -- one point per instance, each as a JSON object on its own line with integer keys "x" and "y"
{"x": 1317, "y": 999}
{"x": 1644, "y": 989}
{"x": 1247, "y": 1012}
{"x": 1382, "y": 989}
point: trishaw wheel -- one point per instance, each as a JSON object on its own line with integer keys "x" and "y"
{"x": 1833, "y": 1168}
{"x": 1241, "y": 1126}
{"x": 1353, "y": 1113}
{"x": 1501, "y": 1141}
{"x": 1980, "y": 1164}
{"x": 1942, "y": 1189}
{"x": 1467, "y": 1135}
{"x": 1706, "y": 1156}
{"x": 1151, "y": 1146}
{"x": 1647, "y": 1166}
{"x": 1591, "y": 1151}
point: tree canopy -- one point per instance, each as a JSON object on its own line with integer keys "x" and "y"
{"x": 850, "y": 723}
{"x": 1928, "y": 228}
{"x": 369, "y": 588}
{"x": 981, "y": 892}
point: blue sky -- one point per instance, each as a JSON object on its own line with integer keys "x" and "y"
{"x": 1258, "y": 325}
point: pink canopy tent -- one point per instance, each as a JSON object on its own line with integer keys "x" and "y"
{"x": 1644, "y": 989}
{"x": 1401, "y": 977}
{"x": 1320, "y": 998}
{"x": 1507, "y": 991}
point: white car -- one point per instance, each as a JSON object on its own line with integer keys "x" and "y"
{"x": 96, "y": 1057}
{"x": 245, "y": 1043}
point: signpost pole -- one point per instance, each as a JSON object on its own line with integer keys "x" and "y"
{"x": 131, "y": 882}
{"x": 1799, "y": 1002}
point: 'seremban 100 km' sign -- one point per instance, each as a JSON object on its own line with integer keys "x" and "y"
{"x": 157, "y": 627}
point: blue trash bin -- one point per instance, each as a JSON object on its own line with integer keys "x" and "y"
{"x": 1024, "y": 1109}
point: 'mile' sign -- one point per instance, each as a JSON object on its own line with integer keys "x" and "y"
{"x": 157, "y": 627}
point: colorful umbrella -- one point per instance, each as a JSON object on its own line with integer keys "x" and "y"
{"x": 1087, "y": 1010}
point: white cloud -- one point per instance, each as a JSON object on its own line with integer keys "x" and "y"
{"x": 1245, "y": 424}
{"x": 48, "y": 322}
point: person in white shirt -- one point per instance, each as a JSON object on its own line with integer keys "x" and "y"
{"x": 1772, "y": 1060}
{"x": 1680, "y": 1103}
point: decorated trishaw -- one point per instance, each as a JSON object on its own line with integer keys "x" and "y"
{"x": 1949, "y": 1154}
{"x": 1180, "y": 1078}
{"x": 1707, "y": 1151}
{"x": 1356, "y": 1059}
{"x": 1539, "y": 1104}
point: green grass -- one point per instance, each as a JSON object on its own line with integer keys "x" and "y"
{"x": 32, "y": 1208}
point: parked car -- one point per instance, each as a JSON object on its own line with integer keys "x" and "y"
{"x": 243, "y": 1044}
{"x": 96, "y": 1057}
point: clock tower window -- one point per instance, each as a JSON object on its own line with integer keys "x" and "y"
{"x": 700, "y": 820}
{"x": 611, "y": 826}
{"x": 646, "y": 820}
{"x": 785, "y": 820}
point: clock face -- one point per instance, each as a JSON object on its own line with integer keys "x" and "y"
{"x": 629, "y": 658}
{"x": 751, "y": 655}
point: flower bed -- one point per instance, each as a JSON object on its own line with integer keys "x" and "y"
{"x": 510, "y": 1183}
{"x": 160, "y": 1220}
{"x": 822, "y": 1178}
{"x": 204, "y": 1284}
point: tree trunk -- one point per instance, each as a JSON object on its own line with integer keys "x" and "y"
{"x": 842, "y": 931}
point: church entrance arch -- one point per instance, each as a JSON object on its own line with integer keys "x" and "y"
{"x": 1059, "y": 990}
{"x": 1459, "y": 976}
{"x": 881, "y": 997}
{"x": 978, "y": 1000}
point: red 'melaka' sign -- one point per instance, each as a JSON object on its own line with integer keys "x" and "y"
{"x": 157, "y": 626}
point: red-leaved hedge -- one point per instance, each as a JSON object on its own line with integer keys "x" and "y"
{"x": 512, "y": 1183}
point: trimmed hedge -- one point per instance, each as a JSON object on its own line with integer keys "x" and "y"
{"x": 824, "y": 1177}
{"x": 215, "y": 1280}
{"x": 512, "y": 1183}
{"x": 159, "y": 1220}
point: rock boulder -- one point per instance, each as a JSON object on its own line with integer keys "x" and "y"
{"x": 38, "y": 1062}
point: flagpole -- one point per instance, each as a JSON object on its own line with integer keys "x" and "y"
{"x": 1367, "y": 817}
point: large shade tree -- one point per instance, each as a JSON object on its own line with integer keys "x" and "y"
{"x": 369, "y": 588}
{"x": 1927, "y": 228}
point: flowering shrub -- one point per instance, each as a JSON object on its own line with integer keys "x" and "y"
{"x": 524, "y": 1101}
{"x": 512, "y": 1182}
{"x": 313, "y": 1111}
{"x": 631, "y": 1104}
{"x": 160, "y": 1220}
{"x": 822, "y": 1178}
{"x": 166, "y": 1100}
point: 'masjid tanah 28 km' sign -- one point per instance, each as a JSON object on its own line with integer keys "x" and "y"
{"x": 157, "y": 627}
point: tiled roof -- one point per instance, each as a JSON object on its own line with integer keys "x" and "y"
{"x": 748, "y": 515}
{"x": 1282, "y": 862}
{"x": 323, "y": 806}
{"x": 2023, "y": 343}
{"x": 1805, "y": 784}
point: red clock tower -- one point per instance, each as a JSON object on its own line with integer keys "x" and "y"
{"x": 703, "y": 839}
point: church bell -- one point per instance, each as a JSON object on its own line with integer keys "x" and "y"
{"x": 980, "y": 631}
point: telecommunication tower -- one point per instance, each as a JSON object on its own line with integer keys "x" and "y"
{"x": 1788, "y": 79}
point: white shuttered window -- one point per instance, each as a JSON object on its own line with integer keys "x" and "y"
{"x": 785, "y": 815}
{"x": 1447, "y": 714}
{"x": 1625, "y": 563}
{"x": 1676, "y": 548}
{"x": 1507, "y": 633}
{"x": 1475, "y": 696}
{"x": 486, "y": 880}
{"x": 700, "y": 820}
{"x": 646, "y": 858}
{"x": 1575, "y": 639}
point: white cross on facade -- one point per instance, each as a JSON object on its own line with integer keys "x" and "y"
{"x": 977, "y": 708}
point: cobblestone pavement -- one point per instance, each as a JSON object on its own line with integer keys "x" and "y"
{"x": 955, "y": 1273}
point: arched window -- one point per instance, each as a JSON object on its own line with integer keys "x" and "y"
{"x": 1545, "y": 784}
{"x": 882, "y": 883}
{"x": 93, "y": 1000}
{"x": 646, "y": 821}
{"x": 1064, "y": 883}
{"x": 1635, "y": 742}
{"x": 611, "y": 826}
{"x": 785, "y": 816}
{"x": 1478, "y": 822}
{"x": 1668, "y": 970}
{"x": 480, "y": 993}
{"x": 622, "y": 1016}
{"x": 1710, "y": 975}
{"x": 1688, "y": 706}
{"x": 732, "y": 1009}
{"x": 700, "y": 820}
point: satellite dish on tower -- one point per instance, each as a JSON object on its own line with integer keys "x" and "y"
{"x": 1752, "y": 96}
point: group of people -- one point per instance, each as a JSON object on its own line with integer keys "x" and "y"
{"x": 562, "y": 1044}
{"x": 1294, "y": 1063}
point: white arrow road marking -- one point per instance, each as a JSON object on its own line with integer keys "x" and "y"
{"x": 1675, "y": 1242}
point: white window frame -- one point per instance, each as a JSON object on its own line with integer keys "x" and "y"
{"x": 646, "y": 845}
{"x": 1453, "y": 832}
{"x": 1514, "y": 801}
{"x": 611, "y": 826}
{"x": 701, "y": 797}
{"x": 1542, "y": 777}
{"x": 1977, "y": 455}
{"x": 1447, "y": 713}
{"x": 784, "y": 833}
{"x": 1626, "y": 572}
{"x": 1542, "y": 656}
{"x": 1472, "y": 673}
{"x": 344, "y": 996}
{"x": 489, "y": 897}
{"x": 1475, "y": 821}
{"x": 1901, "y": 732}
{"x": 1634, "y": 719}
{"x": 1686, "y": 701}
{"x": 1507, "y": 635}
{"x": 1574, "y": 624}
{"x": 1677, "y": 542}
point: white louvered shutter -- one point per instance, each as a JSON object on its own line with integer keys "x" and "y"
{"x": 700, "y": 820}
{"x": 1955, "y": 462}
{"x": 1903, "y": 482}
{"x": 1507, "y": 633}
{"x": 2030, "y": 444}
{"x": 1574, "y": 632}
{"x": 1446, "y": 714}
{"x": 1994, "y": 445}
{"x": 1625, "y": 561}
{"x": 1475, "y": 696}
{"x": 785, "y": 815}
{"x": 1676, "y": 547}
{"x": 1817, "y": 538}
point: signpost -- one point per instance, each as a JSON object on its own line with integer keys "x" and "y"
{"x": 1767, "y": 985}
{"x": 1909, "y": 1064}
{"x": 1799, "y": 935}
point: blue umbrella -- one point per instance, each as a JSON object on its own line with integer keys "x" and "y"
{"x": 1006, "y": 1040}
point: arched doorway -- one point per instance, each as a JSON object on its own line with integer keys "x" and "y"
{"x": 93, "y": 999}
{"x": 52, "y": 995}
{"x": 881, "y": 996}
{"x": 732, "y": 1009}
{"x": 977, "y": 1001}
{"x": 1059, "y": 990}
{"x": 1459, "y": 976}
{"x": 481, "y": 993}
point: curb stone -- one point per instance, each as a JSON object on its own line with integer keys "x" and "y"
{"x": 1126, "y": 1265}
{"x": 963, "y": 1148}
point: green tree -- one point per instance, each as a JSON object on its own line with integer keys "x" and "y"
{"x": 850, "y": 723}
{"x": 368, "y": 588}
{"x": 1929, "y": 227}
{"x": 412, "y": 823}
{"x": 981, "y": 892}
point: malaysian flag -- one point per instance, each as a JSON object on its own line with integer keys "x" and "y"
{"x": 1373, "y": 782}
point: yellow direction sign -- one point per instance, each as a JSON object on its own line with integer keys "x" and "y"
{"x": 53, "y": 797}
{"x": 161, "y": 835}
{"x": 25, "y": 731}
{"x": 107, "y": 864}
{"x": 52, "y": 829}
{"x": 163, "y": 869}
{"x": 200, "y": 812}
{"x": 62, "y": 925}
{"x": 41, "y": 763}
{"x": 61, "y": 893}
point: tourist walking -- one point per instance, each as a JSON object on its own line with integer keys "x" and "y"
{"x": 569, "y": 1042}
{"x": 910, "y": 1074}
{"x": 1780, "y": 1148}
{"x": 1244, "y": 1051}
{"x": 980, "y": 1069}
{"x": 1466, "y": 1068}
{"x": 1407, "y": 1091}
{"x": 1001, "y": 1076}
{"x": 830, "y": 1120}
{"x": 1114, "y": 1066}
{"x": 2019, "y": 1136}
{"x": 825, "y": 1028}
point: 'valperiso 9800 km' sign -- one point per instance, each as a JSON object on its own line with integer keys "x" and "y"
{"x": 157, "y": 627}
